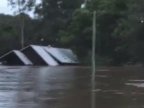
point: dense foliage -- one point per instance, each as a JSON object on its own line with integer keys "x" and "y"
{"x": 63, "y": 23}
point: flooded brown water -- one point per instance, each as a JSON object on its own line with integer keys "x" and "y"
{"x": 70, "y": 87}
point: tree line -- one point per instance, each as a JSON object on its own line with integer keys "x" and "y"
{"x": 63, "y": 23}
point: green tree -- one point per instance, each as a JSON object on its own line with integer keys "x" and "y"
{"x": 22, "y": 5}
{"x": 78, "y": 34}
{"x": 55, "y": 15}
{"x": 10, "y": 32}
{"x": 130, "y": 31}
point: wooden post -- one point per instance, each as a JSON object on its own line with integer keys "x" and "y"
{"x": 22, "y": 26}
{"x": 93, "y": 82}
{"x": 22, "y": 31}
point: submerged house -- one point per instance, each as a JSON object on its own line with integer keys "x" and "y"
{"x": 40, "y": 56}
{"x": 15, "y": 57}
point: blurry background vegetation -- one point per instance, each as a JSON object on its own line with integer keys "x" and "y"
{"x": 63, "y": 23}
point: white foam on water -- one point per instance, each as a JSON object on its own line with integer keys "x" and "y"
{"x": 141, "y": 85}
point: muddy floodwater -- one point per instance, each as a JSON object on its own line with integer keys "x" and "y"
{"x": 70, "y": 87}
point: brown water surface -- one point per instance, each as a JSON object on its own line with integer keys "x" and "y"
{"x": 70, "y": 87}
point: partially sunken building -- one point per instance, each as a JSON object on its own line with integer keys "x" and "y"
{"x": 15, "y": 57}
{"x": 40, "y": 56}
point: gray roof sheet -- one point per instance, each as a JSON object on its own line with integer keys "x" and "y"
{"x": 62, "y": 55}
{"x": 22, "y": 57}
{"x": 44, "y": 55}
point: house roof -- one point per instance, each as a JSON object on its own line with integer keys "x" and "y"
{"x": 62, "y": 55}
{"x": 42, "y": 55}
{"x": 19, "y": 55}
{"x": 47, "y": 58}
{"x": 22, "y": 57}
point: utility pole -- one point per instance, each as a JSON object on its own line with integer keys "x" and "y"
{"x": 93, "y": 80}
{"x": 22, "y": 30}
{"x": 22, "y": 24}
{"x": 93, "y": 58}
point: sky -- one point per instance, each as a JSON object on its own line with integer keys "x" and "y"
{"x": 6, "y": 9}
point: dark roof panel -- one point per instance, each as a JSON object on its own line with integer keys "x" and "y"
{"x": 15, "y": 57}
{"x": 22, "y": 57}
{"x": 39, "y": 56}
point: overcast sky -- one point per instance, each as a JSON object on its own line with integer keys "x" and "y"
{"x": 6, "y": 9}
